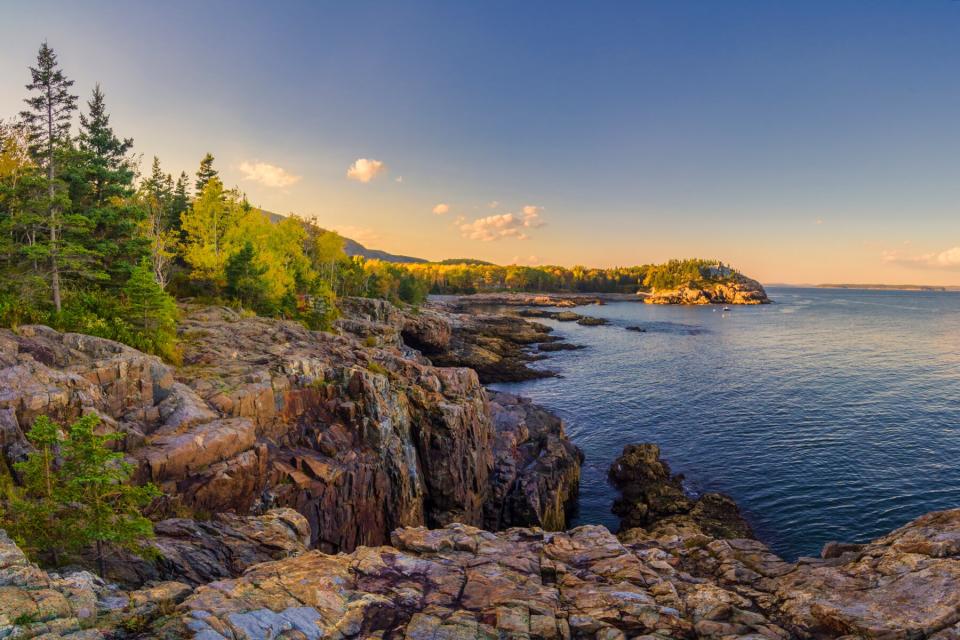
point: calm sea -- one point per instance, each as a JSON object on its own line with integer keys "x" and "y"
{"x": 830, "y": 415}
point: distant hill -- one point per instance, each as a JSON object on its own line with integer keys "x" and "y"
{"x": 354, "y": 248}
{"x": 886, "y": 287}
{"x": 470, "y": 261}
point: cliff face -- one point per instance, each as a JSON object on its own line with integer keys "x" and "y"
{"x": 360, "y": 436}
{"x": 739, "y": 290}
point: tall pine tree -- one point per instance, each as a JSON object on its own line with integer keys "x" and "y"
{"x": 48, "y": 132}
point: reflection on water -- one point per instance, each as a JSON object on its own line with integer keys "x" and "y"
{"x": 831, "y": 415}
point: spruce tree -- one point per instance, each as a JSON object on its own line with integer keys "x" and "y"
{"x": 152, "y": 311}
{"x": 181, "y": 201}
{"x": 106, "y": 508}
{"x": 37, "y": 518}
{"x": 205, "y": 172}
{"x": 104, "y": 194}
{"x": 48, "y": 132}
{"x": 245, "y": 278}
{"x": 110, "y": 171}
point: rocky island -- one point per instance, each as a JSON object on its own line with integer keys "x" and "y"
{"x": 732, "y": 288}
{"x": 325, "y": 485}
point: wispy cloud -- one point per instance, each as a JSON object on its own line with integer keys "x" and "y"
{"x": 365, "y": 169}
{"x": 269, "y": 175}
{"x": 441, "y": 209}
{"x": 363, "y": 235}
{"x": 503, "y": 225}
{"x": 948, "y": 259}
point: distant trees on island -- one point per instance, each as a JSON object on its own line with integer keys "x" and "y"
{"x": 470, "y": 277}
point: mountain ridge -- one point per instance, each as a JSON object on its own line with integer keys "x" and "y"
{"x": 353, "y": 248}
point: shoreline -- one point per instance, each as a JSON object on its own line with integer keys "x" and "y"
{"x": 353, "y": 428}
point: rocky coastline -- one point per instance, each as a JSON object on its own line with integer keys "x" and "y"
{"x": 367, "y": 485}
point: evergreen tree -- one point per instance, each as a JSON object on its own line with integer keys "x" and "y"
{"x": 152, "y": 311}
{"x": 38, "y": 521}
{"x": 109, "y": 169}
{"x": 205, "y": 173}
{"x": 245, "y": 281}
{"x": 106, "y": 507}
{"x": 180, "y": 203}
{"x": 48, "y": 132}
{"x": 104, "y": 193}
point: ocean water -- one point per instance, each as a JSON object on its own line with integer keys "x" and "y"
{"x": 830, "y": 415}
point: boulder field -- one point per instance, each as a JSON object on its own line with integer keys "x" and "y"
{"x": 343, "y": 486}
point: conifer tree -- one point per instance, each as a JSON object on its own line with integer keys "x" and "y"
{"x": 38, "y": 520}
{"x": 106, "y": 507}
{"x": 245, "y": 278}
{"x": 48, "y": 132}
{"x": 152, "y": 311}
{"x": 205, "y": 173}
{"x": 180, "y": 203}
{"x": 104, "y": 193}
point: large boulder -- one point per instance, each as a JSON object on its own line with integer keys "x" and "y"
{"x": 649, "y": 493}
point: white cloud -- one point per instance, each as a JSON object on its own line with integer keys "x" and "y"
{"x": 365, "y": 169}
{"x": 503, "y": 225}
{"x": 493, "y": 204}
{"x": 441, "y": 209}
{"x": 818, "y": 221}
{"x": 269, "y": 175}
{"x": 398, "y": 179}
{"x": 363, "y": 235}
{"x": 947, "y": 259}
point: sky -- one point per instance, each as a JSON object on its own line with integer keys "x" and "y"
{"x": 803, "y": 142}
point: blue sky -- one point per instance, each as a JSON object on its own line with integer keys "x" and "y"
{"x": 802, "y": 141}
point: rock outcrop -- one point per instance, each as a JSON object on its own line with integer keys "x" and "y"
{"x": 536, "y": 473}
{"x": 359, "y": 432}
{"x": 498, "y": 347}
{"x": 650, "y": 494}
{"x": 667, "y": 581}
{"x": 736, "y": 290}
{"x": 201, "y": 551}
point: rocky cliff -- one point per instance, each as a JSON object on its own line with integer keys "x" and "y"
{"x": 737, "y": 290}
{"x": 358, "y": 432}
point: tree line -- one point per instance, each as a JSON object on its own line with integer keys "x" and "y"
{"x": 473, "y": 277}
